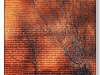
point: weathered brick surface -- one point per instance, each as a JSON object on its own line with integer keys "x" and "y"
{"x": 25, "y": 31}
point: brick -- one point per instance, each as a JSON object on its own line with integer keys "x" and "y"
{"x": 26, "y": 30}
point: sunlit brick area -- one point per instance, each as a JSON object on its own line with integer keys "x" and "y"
{"x": 50, "y": 37}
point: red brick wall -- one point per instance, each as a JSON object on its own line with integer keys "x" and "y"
{"x": 23, "y": 34}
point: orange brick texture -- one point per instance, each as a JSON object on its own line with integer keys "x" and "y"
{"x": 50, "y": 37}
